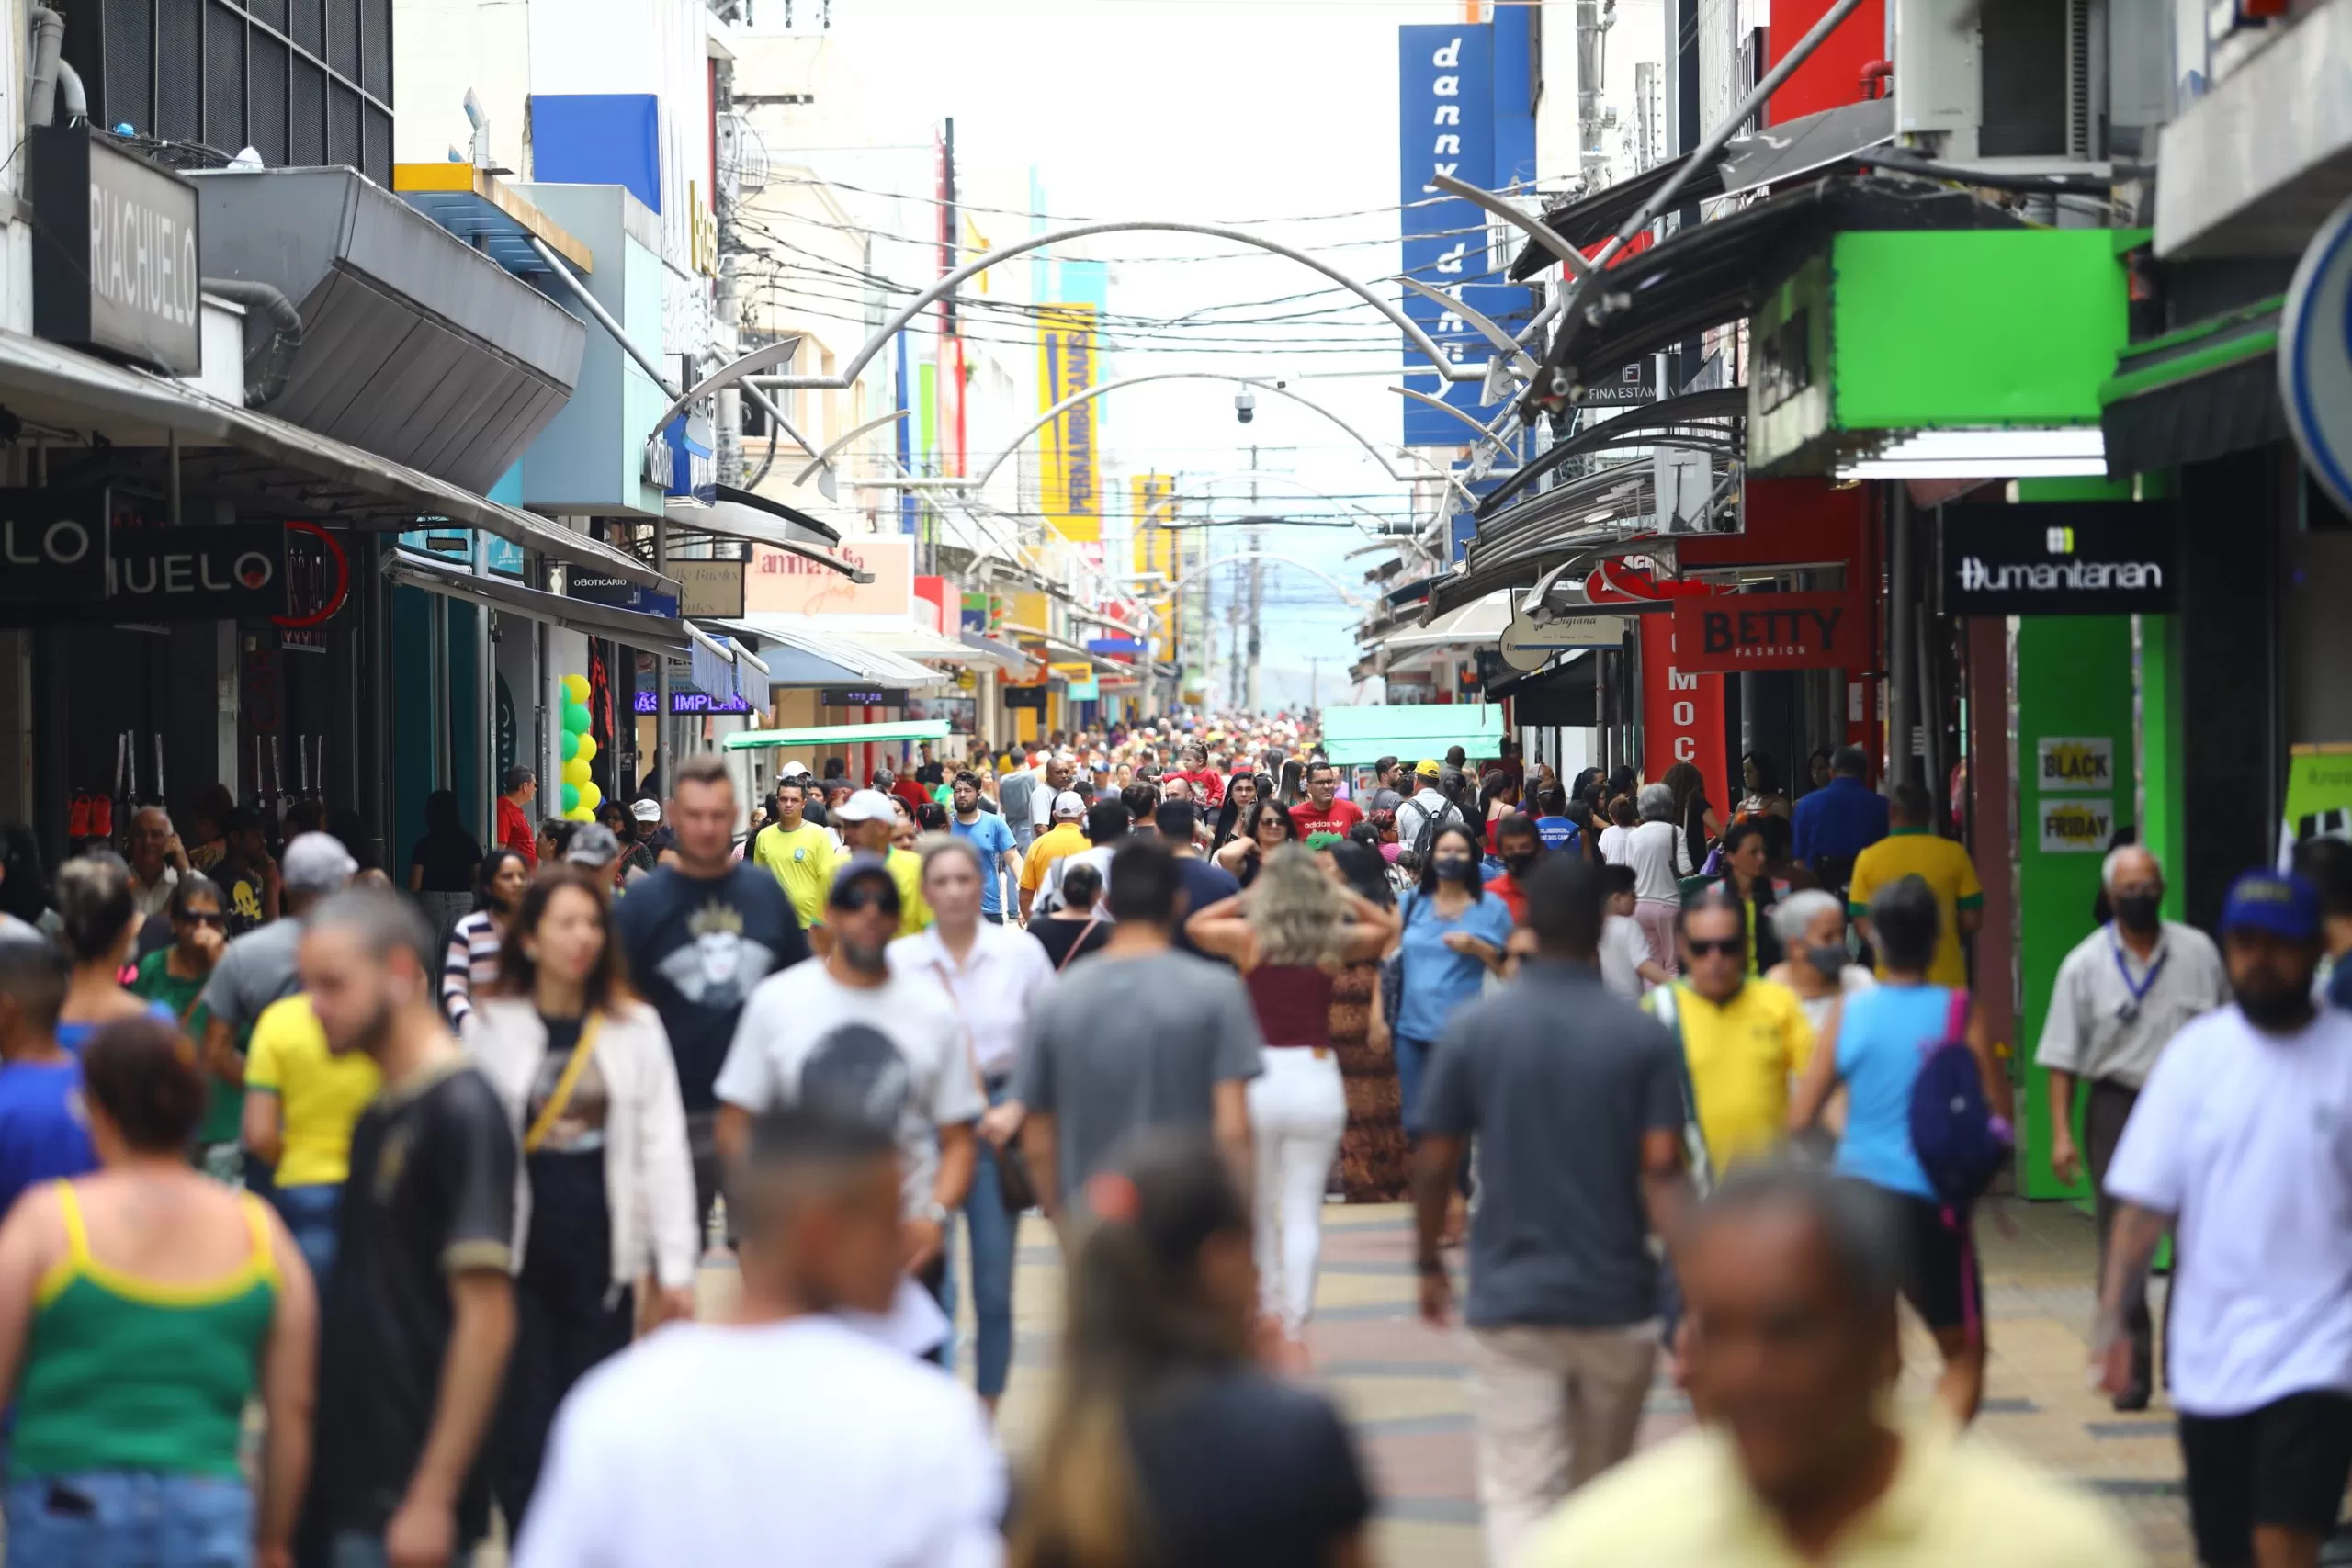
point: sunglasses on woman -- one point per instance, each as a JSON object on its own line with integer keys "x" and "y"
{"x": 201, "y": 917}
{"x": 1727, "y": 947}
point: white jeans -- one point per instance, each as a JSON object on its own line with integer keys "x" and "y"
{"x": 1297, "y": 1111}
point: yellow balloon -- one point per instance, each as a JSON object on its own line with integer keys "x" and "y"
{"x": 575, "y": 772}
{"x": 589, "y": 796}
{"x": 587, "y": 752}
{"x": 581, "y": 814}
{"x": 576, "y": 688}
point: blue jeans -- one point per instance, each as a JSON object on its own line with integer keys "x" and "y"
{"x": 1412, "y": 1060}
{"x": 994, "y": 1234}
{"x": 110, "y": 1519}
{"x": 355, "y": 1549}
{"x": 310, "y": 1213}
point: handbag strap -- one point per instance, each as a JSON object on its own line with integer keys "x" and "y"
{"x": 963, "y": 1026}
{"x": 560, "y": 1100}
{"x": 1079, "y": 941}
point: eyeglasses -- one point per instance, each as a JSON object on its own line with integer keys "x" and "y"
{"x": 1729, "y": 947}
{"x": 857, "y": 901}
{"x": 196, "y": 918}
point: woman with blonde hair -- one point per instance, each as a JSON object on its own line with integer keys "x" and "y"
{"x": 1290, "y": 935}
{"x": 1166, "y": 1445}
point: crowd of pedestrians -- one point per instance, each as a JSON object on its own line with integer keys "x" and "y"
{"x": 429, "y": 1180}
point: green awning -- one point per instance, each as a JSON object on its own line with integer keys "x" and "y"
{"x": 842, "y": 734}
{"x": 1412, "y": 732}
{"x": 2200, "y": 391}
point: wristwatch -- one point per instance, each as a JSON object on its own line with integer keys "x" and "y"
{"x": 935, "y": 1211}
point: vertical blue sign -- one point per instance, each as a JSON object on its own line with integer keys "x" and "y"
{"x": 1446, "y": 123}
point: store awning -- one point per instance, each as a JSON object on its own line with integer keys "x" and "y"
{"x": 1719, "y": 272}
{"x": 284, "y": 469}
{"x": 1072, "y": 652}
{"x": 655, "y": 633}
{"x": 1013, "y": 661}
{"x": 809, "y": 653}
{"x": 921, "y": 643}
{"x": 841, "y": 735}
{"x": 745, "y": 514}
{"x": 710, "y": 664}
{"x": 2203, "y": 392}
{"x": 1477, "y": 624}
{"x": 1356, "y": 735}
{"x": 1711, "y": 417}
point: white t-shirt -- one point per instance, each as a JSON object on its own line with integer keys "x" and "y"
{"x": 1851, "y": 978}
{"x": 1623, "y": 950}
{"x": 2247, "y": 1138}
{"x": 1649, "y": 850}
{"x": 801, "y": 1444}
{"x": 1612, "y": 844}
{"x": 894, "y": 1052}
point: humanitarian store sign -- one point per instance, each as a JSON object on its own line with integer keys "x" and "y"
{"x": 2074, "y": 826}
{"x": 115, "y": 252}
{"x": 2077, "y": 763}
{"x": 1772, "y": 631}
{"x": 2060, "y": 558}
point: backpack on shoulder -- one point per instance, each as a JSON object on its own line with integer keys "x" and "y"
{"x": 1961, "y": 1143}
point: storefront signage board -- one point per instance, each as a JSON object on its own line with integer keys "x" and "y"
{"x": 115, "y": 253}
{"x": 2088, "y": 558}
{"x": 1772, "y": 631}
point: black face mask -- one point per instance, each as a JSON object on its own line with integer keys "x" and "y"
{"x": 1827, "y": 962}
{"x": 1519, "y": 866}
{"x": 1453, "y": 868}
{"x": 2140, "y": 911}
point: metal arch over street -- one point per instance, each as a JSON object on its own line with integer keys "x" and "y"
{"x": 1348, "y": 596}
{"x": 1117, "y": 383}
{"x": 1374, "y": 523}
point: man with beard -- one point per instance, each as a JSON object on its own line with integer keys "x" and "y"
{"x": 2240, "y": 1143}
{"x": 2120, "y": 997}
{"x": 845, "y": 1036}
{"x": 419, "y": 1310}
{"x": 698, "y": 936}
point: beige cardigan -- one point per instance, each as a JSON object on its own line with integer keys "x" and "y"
{"x": 648, "y": 1172}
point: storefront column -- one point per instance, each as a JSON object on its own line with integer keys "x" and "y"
{"x": 2164, "y": 825}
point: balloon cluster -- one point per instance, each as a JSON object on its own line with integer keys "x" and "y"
{"x": 580, "y": 792}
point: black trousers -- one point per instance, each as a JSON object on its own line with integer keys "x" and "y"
{"x": 568, "y": 1317}
{"x": 2106, "y": 1109}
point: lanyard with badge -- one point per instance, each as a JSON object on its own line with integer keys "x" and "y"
{"x": 2129, "y": 1013}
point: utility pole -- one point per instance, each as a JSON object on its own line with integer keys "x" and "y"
{"x": 1257, "y": 586}
{"x": 1314, "y": 678}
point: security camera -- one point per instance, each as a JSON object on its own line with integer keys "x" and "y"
{"x": 1245, "y": 405}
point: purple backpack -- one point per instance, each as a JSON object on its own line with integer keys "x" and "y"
{"x": 1961, "y": 1143}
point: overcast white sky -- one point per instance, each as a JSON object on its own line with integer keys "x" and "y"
{"x": 1202, "y": 111}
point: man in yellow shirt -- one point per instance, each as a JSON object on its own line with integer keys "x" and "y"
{"x": 1743, "y": 1039}
{"x": 798, "y": 851}
{"x": 1066, "y": 839}
{"x": 867, "y": 820}
{"x": 1789, "y": 1275}
{"x": 1912, "y": 848}
{"x": 301, "y": 1101}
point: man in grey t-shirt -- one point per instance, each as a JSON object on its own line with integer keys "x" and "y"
{"x": 1140, "y": 1036}
{"x": 1576, "y": 1098}
{"x": 257, "y": 968}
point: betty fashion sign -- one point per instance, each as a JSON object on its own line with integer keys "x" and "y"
{"x": 1772, "y": 631}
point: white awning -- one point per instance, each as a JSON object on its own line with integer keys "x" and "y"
{"x": 810, "y": 653}
{"x": 1480, "y": 621}
{"x": 920, "y": 642}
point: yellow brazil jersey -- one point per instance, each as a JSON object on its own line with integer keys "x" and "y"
{"x": 802, "y": 862}
{"x": 1945, "y": 868}
{"x": 905, "y": 870}
{"x": 320, "y": 1094}
{"x": 1742, "y": 1055}
{"x": 1064, "y": 840}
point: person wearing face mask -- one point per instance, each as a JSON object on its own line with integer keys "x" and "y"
{"x": 2120, "y": 997}
{"x": 1519, "y": 845}
{"x": 1451, "y": 938}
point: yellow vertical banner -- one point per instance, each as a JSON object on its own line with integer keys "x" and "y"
{"x": 1071, "y": 488}
{"x": 1153, "y": 497}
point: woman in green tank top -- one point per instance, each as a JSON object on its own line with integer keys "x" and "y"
{"x": 141, "y": 1308}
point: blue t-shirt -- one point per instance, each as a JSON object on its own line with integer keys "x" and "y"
{"x": 74, "y": 1036}
{"x": 1882, "y": 1041}
{"x": 991, "y": 838}
{"x": 1437, "y": 980}
{"x": 1558, "y": 832}
{"x": 43, "y": 1135}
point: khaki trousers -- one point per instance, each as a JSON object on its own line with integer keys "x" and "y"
{"x": 1554, "y": 1409}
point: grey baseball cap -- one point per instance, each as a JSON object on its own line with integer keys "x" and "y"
{"x": 316, "y": 862}
{"x": 593, "y": 844}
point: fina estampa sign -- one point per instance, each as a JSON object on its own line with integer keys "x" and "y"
{"x": 2072, "y": 557}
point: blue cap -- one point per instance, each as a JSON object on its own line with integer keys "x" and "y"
{"x": 859, "y": 867}
{"x": 2285, "y": 907}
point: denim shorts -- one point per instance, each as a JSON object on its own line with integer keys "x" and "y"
{"x": 112, "y": 1519}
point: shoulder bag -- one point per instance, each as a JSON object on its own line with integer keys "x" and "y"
{"x": 1392, "y": 972}
{"x": 1014, "y": 1185}
{"x": 1694, "y": 1140}
{"x": 560, "y": 1100}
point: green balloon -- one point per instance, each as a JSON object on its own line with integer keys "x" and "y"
{"x": 571, "y": 797}
{"x": 570, "y": 745}
{"x": 575, "y": 718}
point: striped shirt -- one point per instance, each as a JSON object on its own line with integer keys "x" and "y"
{"x": 471, "y": 961}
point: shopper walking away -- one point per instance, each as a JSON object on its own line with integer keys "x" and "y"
{"x": 1077, "y": 925}
{"x": 1626, "y": 967}
{"x": 445, "y": 866}
{"x": 1744, "y": 1039}
{"x": 992, "y": 977}
{"x": 1790, "y": 1275}
{"x": 696, "y": 939}
{"x": 1165, "y": 1443}
{"x": 692, "y": 1445}
{"x": 1204, "y": 883}
{"x": 2236, "y": 1145}
{"x": 1373, "y": 1153}
{"x": 1290, "y": 935}
{"x": 1108, "y": 824}
{"x": 2121, "y": 998}
{"x": 999, "y": 860}
{"x": 520, "y": 787}
{"x": 1141, "y": 1035}
{"x": 420, "y": 1310}
{"x": 1654, "y": 850}
{"x": 1574, "y": 1099}
{"x": 591, "y": 1093}
{"x": 174, "y": 977}
{"x": 259, "y": 967}
{"x": 1693, "y": 816}
{"x": 1883, "y": 1040}
{"x": 1066, "y": 838}
{"x": 1424, "y": 812}
{"x": 1839, "y": 819}
{"x": 100, "y": 909}
{"x": 1913, "y": 848}
{"x": 43, "y": 1134}
{"x": 845, "y": 1031}
{"x": 140, "y": 1307}
{"x": 1451, "y": 937}
{"x": 1624, "y": 817}
{"x": 470, "y": 967}
{"x": 301, "y": 1103}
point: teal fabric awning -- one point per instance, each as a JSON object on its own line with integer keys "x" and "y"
{"x": 1352, "y": 736}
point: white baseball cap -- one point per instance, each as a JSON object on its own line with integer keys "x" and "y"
{"x": 1070, "y": 803}
{"x": 646, "y": 810}
{"x": 865, "y": 805}
{"x": 792, "y": 771}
